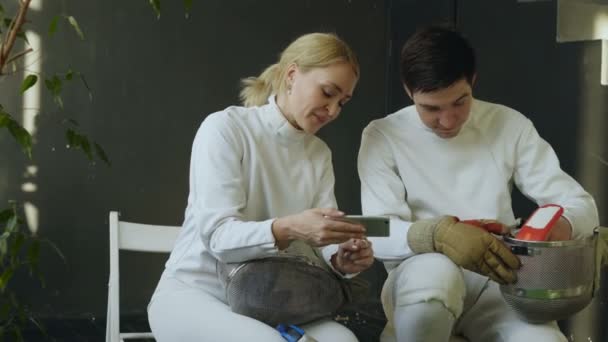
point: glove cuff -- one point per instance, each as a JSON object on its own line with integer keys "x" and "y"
{"x": 421, "y": 234}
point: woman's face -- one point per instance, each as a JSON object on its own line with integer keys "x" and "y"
{"x": 318, "y": 95}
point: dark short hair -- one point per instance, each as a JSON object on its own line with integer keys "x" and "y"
{"x": 436, "y": 57}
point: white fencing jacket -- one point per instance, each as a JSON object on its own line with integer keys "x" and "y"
{"x": 409, "y": 173}
{"x": 248, "y": 167}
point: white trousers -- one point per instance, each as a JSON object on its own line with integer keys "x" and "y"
{"x": 179, "y": 312}
{"x": 479, "y": 312}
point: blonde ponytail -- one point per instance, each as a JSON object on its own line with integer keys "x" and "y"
{"x": 256, "y": 90}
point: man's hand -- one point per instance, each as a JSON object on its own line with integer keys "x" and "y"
{"x": 353, "y": 256}
{"x": 466, "y": 245}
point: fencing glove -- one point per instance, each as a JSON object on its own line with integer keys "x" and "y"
{"x": 467, "y": 245}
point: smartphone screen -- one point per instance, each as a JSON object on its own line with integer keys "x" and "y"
{"x": 375, "y": 226}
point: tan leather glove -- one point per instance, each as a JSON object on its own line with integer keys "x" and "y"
{"x": 466, "y": 245}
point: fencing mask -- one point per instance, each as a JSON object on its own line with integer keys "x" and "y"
{"x": 294, "y": 287}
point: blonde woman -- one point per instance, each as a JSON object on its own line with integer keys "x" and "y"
{"x": 259, "y": 180}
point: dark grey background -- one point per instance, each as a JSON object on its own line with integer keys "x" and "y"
{"x": 154, "y": 81}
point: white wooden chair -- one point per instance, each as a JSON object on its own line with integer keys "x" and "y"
{"x": 133, "y": 237}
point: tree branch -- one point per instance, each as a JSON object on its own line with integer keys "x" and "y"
{"x": 12, "y": 36}
{"x": 20, "y": 54}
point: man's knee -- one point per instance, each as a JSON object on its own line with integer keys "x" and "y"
{"x": 430, "y": 277}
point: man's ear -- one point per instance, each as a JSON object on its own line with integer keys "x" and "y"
{"x": 473, "y": 80}
{"x": 408, "y": 92}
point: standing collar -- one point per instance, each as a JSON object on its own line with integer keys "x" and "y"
{"x": 279, "y": 124}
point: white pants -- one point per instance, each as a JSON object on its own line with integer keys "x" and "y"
{"x": 472, "y": 302}
{"x": 178, "y": 312}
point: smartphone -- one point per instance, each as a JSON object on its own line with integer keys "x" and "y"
{"x": 375, "y": 226}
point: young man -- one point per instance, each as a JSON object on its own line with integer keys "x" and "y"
{"x": 448, "y": 158}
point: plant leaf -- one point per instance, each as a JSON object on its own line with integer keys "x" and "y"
{"x": 4, "y": 119}
{"x": 53, "y": 25}
{"x": 5, "y": 215}
{"x": 70, "y": 136}
{"x": 86, "y": 146}
{"x": 17, "y": 244}
{"x": 5, "y": 278}
{"x": 156, "y": 7}
{"x": 69, "y": 75}
{"x": 3, "y": 246}
{"x": 33, "y": 253}
{"x": 187, "y": 7}
{"x": 54, "y": 85}
{"x": 28, "y": 82}
{"x": 75, "y": 25}
{"x": 71, "y": 121}
{"x": 22, "y": 136}
{"x": 11, "y": 225}
{"x": 23, "y": 36}
{"x": 102, "y": 154}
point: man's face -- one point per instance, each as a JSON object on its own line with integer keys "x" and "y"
{"x": 445, "y": 110}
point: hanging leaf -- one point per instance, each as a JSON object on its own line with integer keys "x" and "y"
{"x": 22, "y": 35}
{"x": 156, "y": 7}
{"x": 79, "y": 141}
{"x": 8, "y": 22}
{"x": 54, "y": 85}
{"x": 70, "y": 121}
{"x": 74, "y": 24}
{"x": 4, "y": 118}
{"x": 5, "y": 215}
{"x": 28, "y": 82}
{"x": 33, "y": 253}
{"x": 70, "y": 136}
{"x": 11, "y": 225}
{"x": 3, "y": 246}
{"x": 102, "y": 154}
{"x": 69, "y": 75}
{"x": 187, "y": 7}
{"x": 86, "y": 146}
{"x": 5, "y": 278}
{"x": 53, "y": 25}
{"x": 22, "y": 137}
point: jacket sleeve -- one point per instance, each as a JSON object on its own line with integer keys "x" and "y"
{"x": 383, "y": 193}
{"x": 218, "y": 194}
{"x": 539, "y": 177}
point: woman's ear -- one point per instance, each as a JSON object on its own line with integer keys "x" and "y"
{"x": 291, "y": 72}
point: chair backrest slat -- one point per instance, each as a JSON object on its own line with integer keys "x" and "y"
{"x": 133, "y": 237}
{"x": 145, "y": 237}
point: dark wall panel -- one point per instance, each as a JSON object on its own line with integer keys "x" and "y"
{"x": 153, "y": 83}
